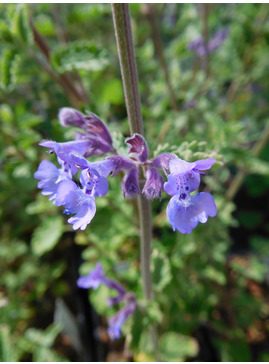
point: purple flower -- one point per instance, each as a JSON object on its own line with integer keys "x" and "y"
{"x": 50, "y": 177}
{"x": 130, "y": 185}
{"x": 185, "y": 212}
{"x": 77, "y": 202}
{"x": 93, "y": 279}
{"x": 115, "y": 323}
{"x": 94, "y": 184}
{"x": 97, "y": 277}
{"x": 120, "y": 163}
{"x": 199, "y": 46}
{"x": 162, "y": 161}
{"x": 139, "y": 147}
{"x": 90, "y": 123}
{"x": 154, "y": 184}
{"x": 218, "y": 39}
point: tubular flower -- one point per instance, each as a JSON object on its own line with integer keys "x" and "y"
{"x": 184, "y": 212}
{"x": 97, "y": 277}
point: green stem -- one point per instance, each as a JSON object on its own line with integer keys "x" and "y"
{"x": 123, "y": 31}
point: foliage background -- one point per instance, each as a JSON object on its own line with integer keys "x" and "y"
{"x": 211, "y": 287}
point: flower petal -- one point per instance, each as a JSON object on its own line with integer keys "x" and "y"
{"x": 138, "y": 146}
{"x": 185, "y": 215}
{"x": 182, "y": 183}
{"x": 116, "y": 322}
{"x": 49, "y": 176}
{"x": 154, "y": 184}
{"x": 204, "y": 164}
{"x": 76, "y": 202}
{"x": 130, "y": 186}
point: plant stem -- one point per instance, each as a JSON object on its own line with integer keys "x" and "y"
{"x": 204, "y": 11}
{"x": 158, "y": 44}
{"x": 123, "y": 31}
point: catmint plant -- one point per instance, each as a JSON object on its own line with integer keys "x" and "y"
{"x": 77, "y": 182}
{"x": 184, "y": 211}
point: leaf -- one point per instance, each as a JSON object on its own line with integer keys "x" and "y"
{"x": 7, "y": 350}
{"x": 176, "y": 347}
{"x": 79, "y": 56}
{"x": 20, "y": 24}
{"x": 161, "y": 275}
{"x": 8, "y": 61}
{"x": 47, "y": 235}
{"x": 5, "y": 33}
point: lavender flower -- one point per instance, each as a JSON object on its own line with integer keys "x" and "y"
{"x": 115, "y": 323}
{"x": 139, "y": 147}
{"x": 89, "y": 123}
{"x": 130, "y": 186}
{"x": 77, "y": 202}
{"x": 154, "y": 184}
{"x": 97, "y": 277}
{"x": 199, "y": 46}
{"x": 183, "y": 211}
{"x": 50, "y": 177}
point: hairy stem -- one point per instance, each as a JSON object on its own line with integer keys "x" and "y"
{"x": 123, "y": 31}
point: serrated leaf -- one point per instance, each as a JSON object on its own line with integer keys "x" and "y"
{"x": 7, "y": 63}
{"x": 79, "y": 56}
{"x": 20, "y": 24}
{"x": 47, "y": 235}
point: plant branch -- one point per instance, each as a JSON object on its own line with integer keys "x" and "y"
{"x": 75, "y": 97}
{"x": 158, "y": 44}
{"x": 122, "y": 25}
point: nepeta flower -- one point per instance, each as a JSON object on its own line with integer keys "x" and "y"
{"x": 115, "y": 323}
{"x": 199, "y": 46}
{"x": 154, "y": 184}
{"x": 130, "y": 185}
{"x": 76, "y": 202}
{"x": 139, "y": 147}
{"x": 97, "y": 277}
{"x": 50, "y": 177}
{"x": 90, "y": 123}
{"x": 184, "y": 212}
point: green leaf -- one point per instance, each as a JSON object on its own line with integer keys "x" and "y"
{"x": 161, "y": 275}
{"x": 8, "y": 61}
{"x": 176, "y": 347}
{"x": 79, "y": 56}
{"x": 7, "y": 350}
{"x": 20, "y": 24}
{"x": 5, "y": 33}
{"x": 47, "y": 235}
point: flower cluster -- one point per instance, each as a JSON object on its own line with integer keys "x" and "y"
{"x": 200, "y": 48}
{"x": 97, "y": 277}
{"x": 78, "y": 198}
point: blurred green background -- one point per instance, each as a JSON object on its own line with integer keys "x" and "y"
{"x": 211, "y": 287}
